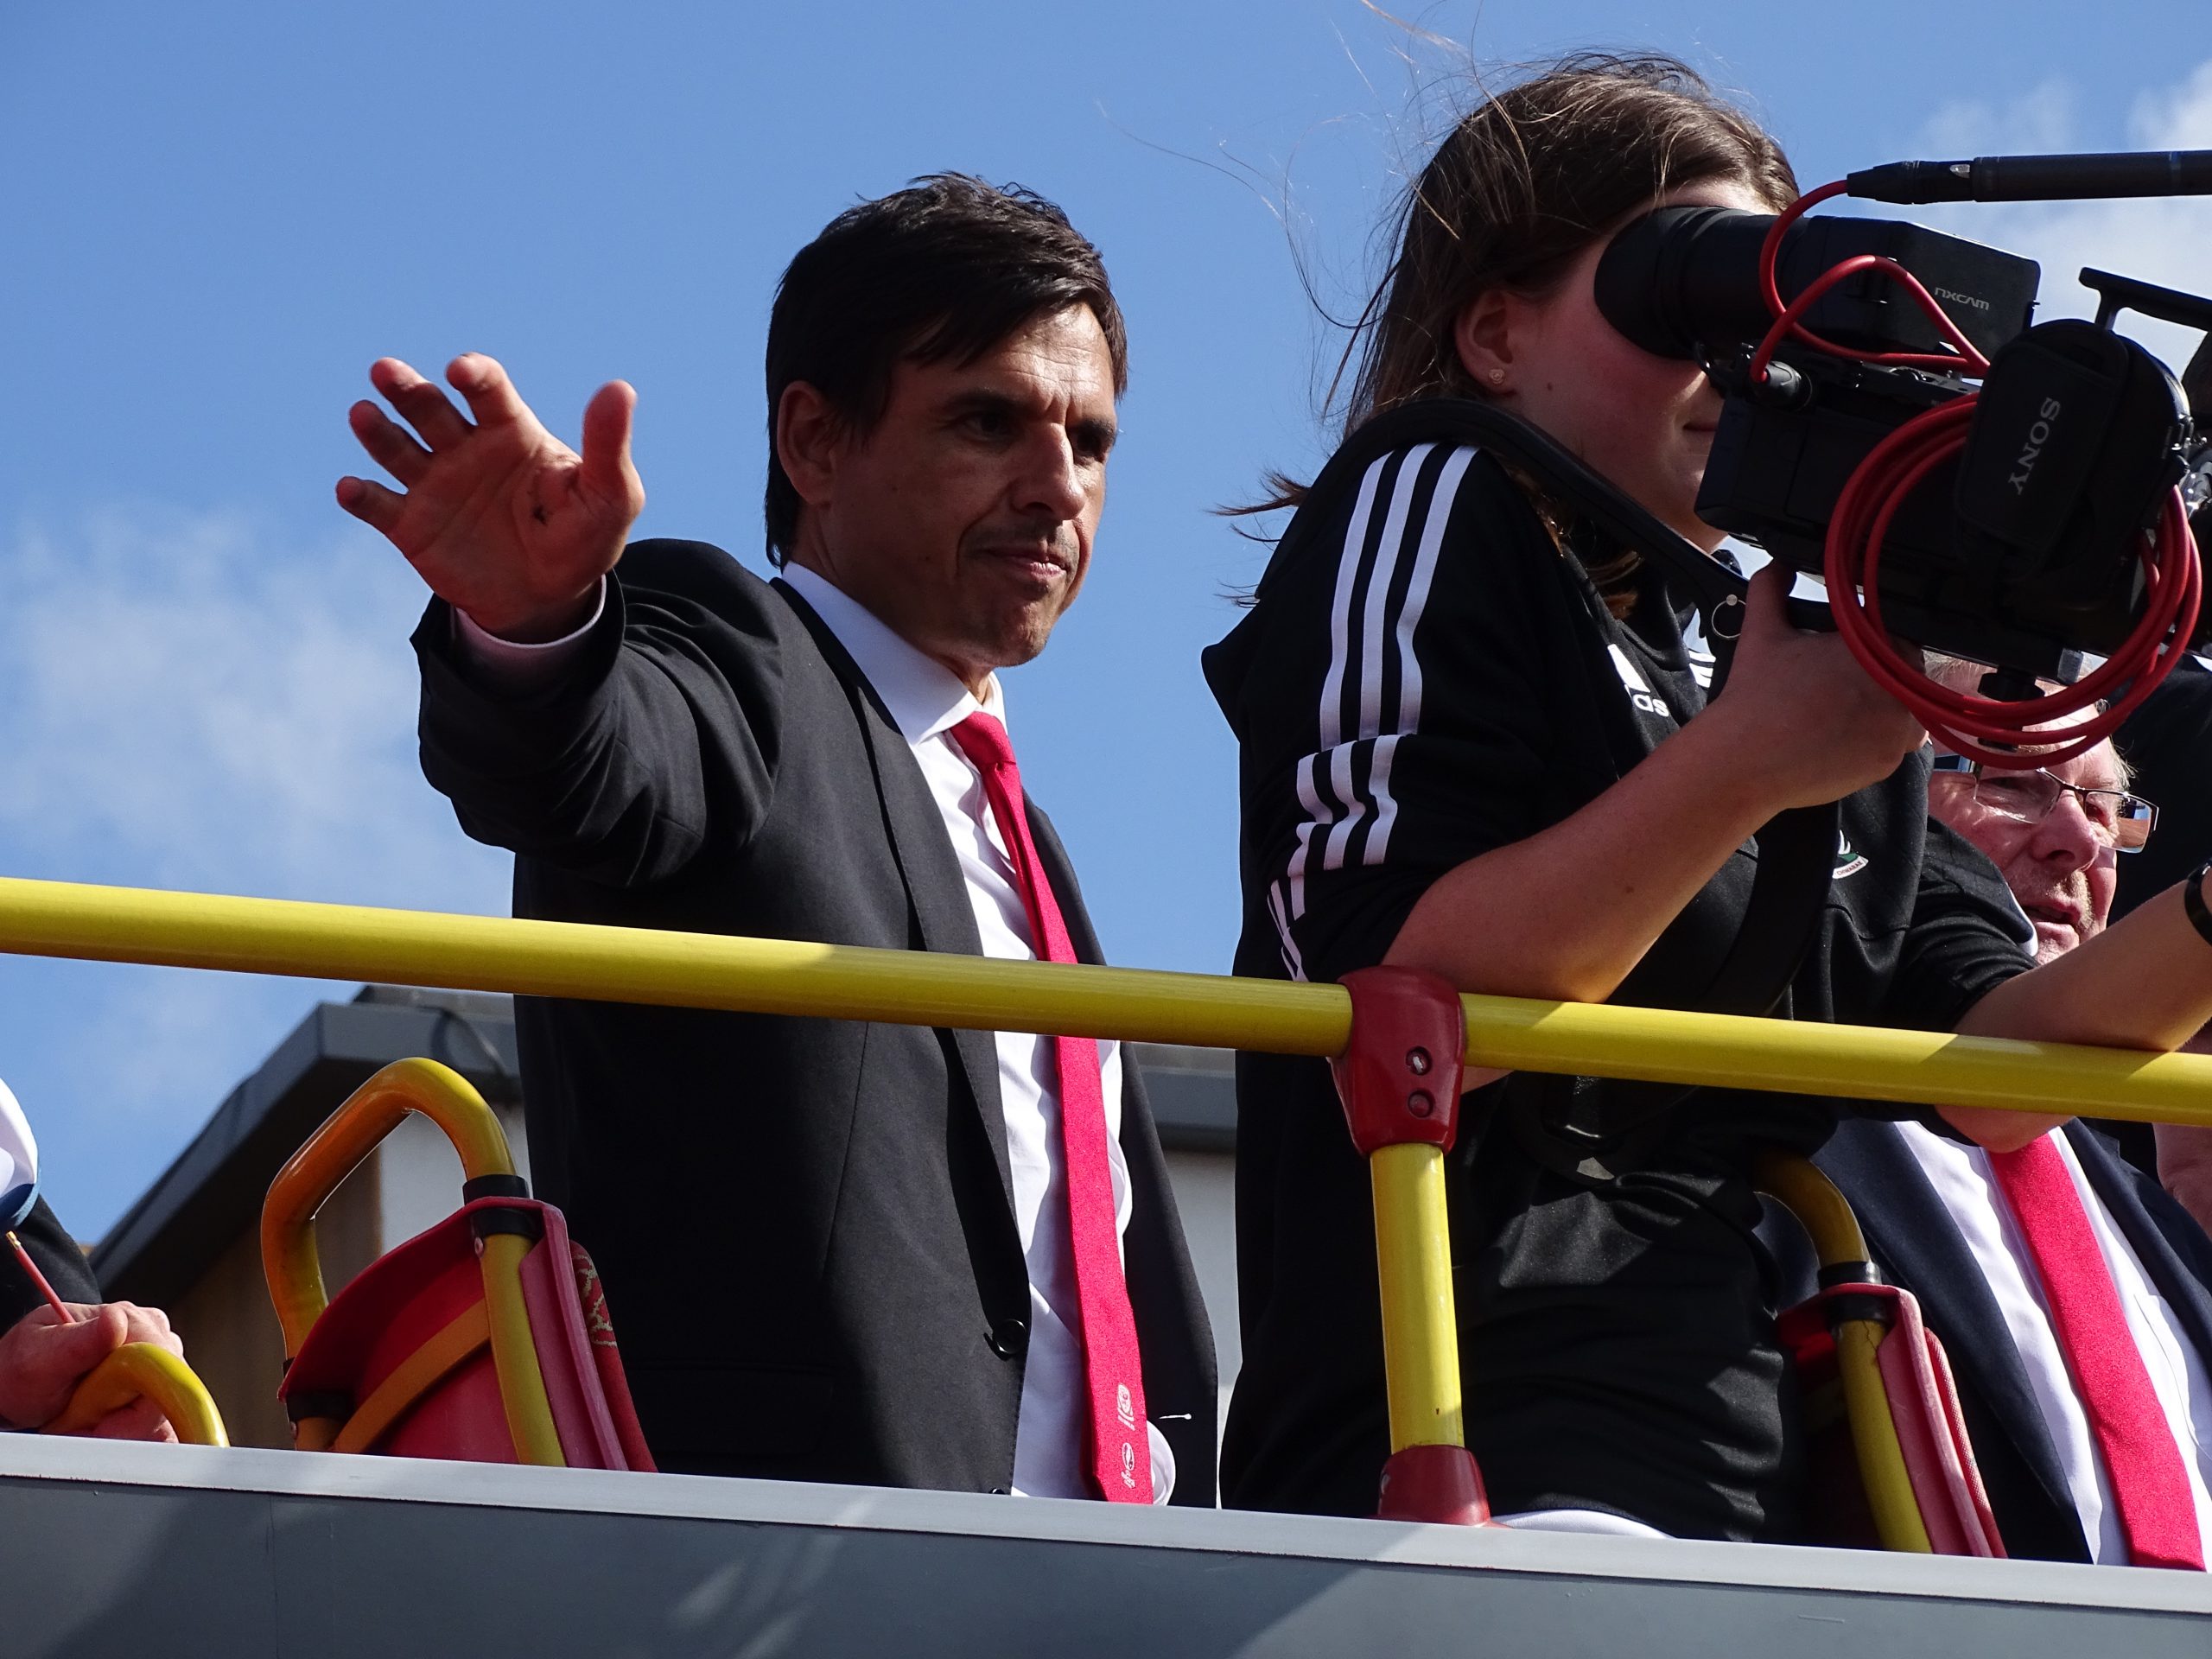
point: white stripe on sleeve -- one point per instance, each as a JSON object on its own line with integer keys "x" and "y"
{"x": 1335, "y": 808}
{"x": 1431, "y": 542}
{"x": 1375, "y": 629}
{"x": 1332, "y": 683}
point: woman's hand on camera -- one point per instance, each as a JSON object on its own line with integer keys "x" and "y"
{"x": 1806, "y": 720}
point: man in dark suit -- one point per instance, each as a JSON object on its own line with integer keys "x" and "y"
{"x": 1942, "y": 1222}
{"x": 837, "y": 1251}
{"x": 1916, "y": 1244}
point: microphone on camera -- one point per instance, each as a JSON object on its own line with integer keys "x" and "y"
{"x": 2040, "y": 178}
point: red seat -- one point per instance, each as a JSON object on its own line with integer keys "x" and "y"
{"x": 486, "y": 1339}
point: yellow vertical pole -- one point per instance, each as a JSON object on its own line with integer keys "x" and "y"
{"x": 514, "y": 1352}
{"x": 1820, "y": 1208}
{"x": 1413, "y": 1255}
{"x": 332, "y": 1152}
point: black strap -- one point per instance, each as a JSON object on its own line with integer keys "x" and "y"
{"x": 499, "y": 1218}
{"x": 1789, "y": 889}
{"x": 1717, "y": 590}
{"x": 1841, "y": 1310}
{"x": 324, "y": 1403}
{"x": 1850, "y": 1272}
{"x": 2192, "y": 903}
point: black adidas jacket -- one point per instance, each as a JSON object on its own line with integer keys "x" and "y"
{"x": 1425, "y": 677}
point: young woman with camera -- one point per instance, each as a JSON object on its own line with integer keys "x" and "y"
{"x": 1475, "y": 740}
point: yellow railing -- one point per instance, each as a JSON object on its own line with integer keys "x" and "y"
{"x": 779, "y": 976}
{"x": 702, "y": 971}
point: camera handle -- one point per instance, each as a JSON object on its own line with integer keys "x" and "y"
{"x": 2118, "y": 294}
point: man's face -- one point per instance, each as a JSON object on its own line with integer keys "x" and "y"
{"x": 2061, "y": 872}
{"x": 964, "y": 520}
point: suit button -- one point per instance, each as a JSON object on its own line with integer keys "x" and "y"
{"x": 1009, "y": 1338}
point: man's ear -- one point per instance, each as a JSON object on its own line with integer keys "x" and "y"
{"x": 1484, "y": 337}
{"x": 809, "y": 443}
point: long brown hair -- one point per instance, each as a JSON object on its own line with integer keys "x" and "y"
{"x": 1522, "y": 185}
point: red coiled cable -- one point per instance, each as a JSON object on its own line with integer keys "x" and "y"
{"x": 1786, "y": 324}
{"x": 1964, "y": 722}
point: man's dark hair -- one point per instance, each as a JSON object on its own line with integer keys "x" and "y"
{"x": 940, "y": 271}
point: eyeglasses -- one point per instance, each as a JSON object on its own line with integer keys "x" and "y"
{"x": 2121, "y": 821}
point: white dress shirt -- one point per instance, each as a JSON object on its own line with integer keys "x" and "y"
{"x": 926, "y": 700}
{"x": 1962, "y": 1177}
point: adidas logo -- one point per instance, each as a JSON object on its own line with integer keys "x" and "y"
{"x": 1698, "y": 653}
{"x": 1638, "y": 693}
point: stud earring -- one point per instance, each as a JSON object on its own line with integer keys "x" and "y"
{"x": 1498, "y": 376}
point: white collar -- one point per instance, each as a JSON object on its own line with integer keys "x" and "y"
{"x": 924, "y": 696}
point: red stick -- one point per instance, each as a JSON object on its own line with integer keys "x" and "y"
{"x": 60, "y": 1308}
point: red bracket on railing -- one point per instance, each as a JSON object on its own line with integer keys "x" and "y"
{"x": 1401, "y": 1075}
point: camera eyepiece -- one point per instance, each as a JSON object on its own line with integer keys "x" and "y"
{"x": 1680, "y": 278}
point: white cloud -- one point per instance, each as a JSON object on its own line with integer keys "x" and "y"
{"x": 190, "y": 701}
{"x": 198, "y": 701}
{"x": 2164, "y": 241}
{"x": 2178, "y": 119}
{"x": 2039, "y": 121}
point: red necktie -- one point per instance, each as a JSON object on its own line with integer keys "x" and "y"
{"x": 2150, "y": 1483}
{"x": 1121, "y": 1452}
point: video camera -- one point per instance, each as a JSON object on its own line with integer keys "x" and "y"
{"x": 2023, "y": 526}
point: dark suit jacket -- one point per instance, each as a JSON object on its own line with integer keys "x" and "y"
{"x": 57, "y": 1258}
{"x": 1915, "y": 1246}
{"x": 805, "y": 1226}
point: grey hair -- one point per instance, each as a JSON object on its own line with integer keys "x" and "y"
{"x": 1957, "y": 674}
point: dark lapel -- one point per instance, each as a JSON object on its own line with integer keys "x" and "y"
{"x": 1911, "y": 1234}
{"x": 1060, "y": 872}
{"x": 935, "y": 888}
{"x": 2167, "y": 1239}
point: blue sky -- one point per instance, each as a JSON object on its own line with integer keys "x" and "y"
{"x": 215, "y": 218}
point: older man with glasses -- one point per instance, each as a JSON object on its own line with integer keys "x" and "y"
{"x": 2069, "y": 1290}
{"x": 2061, "y": 866}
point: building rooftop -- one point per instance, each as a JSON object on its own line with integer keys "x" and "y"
{"x": 211, "y": 1193}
